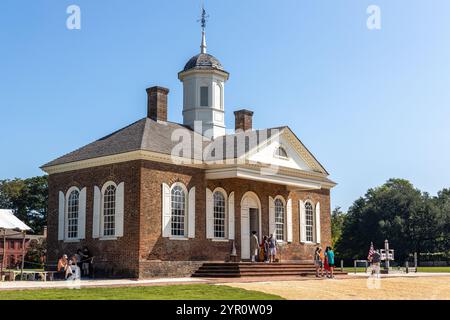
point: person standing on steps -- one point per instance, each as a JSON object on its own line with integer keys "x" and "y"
{"x": 254, "y": 246}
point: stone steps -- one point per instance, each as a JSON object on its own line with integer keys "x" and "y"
{"x": 246, "y": 269}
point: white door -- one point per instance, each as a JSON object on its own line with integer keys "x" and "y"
{"x": 245, "y": 233}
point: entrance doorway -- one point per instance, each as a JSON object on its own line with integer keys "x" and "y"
{"x": 250, "y": 221}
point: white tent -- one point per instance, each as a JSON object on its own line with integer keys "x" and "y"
{"x": 8, "y": 221}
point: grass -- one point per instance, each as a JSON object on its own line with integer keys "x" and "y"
{"x": 433, "y": 269}
{"x": 173, "y": 292}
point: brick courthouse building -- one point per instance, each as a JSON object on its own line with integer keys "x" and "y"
{"x": 160, "y": 198}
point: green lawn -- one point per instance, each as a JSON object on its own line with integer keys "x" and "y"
{"x": 174, "y": 292}
{"x": 433, "y": 269}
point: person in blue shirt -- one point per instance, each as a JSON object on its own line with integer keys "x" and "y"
{"x": 330, "y": 256}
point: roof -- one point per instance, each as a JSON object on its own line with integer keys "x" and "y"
{"x": 145, "y": 134}
{"x": 11, "y": 234}
{"x": 10, "y": 222}
{"x": 203, "y": 61}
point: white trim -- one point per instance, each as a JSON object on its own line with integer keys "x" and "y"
{"x": 243, "y": 173}
{"x": 178, "y": 238}
{"x": 186, "y": 209}
{"x": 66, "y": 215}
{"x": 245, "y": 214}
{"x": 225, "y": 195}
{"x": 102, "y": 204}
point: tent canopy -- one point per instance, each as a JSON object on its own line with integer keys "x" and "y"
{"x": 9, "y": 221}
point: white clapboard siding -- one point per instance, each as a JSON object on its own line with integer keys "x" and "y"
{"x": 191, "y": 212}
{"x": 272, "y": 225}
{"x": 166, "y": 211}
{"x": 289, "y": 220}
{"x": 82, "y": 215}
{"x": 61, "y": 216}
{"x": 120, "y": 209}
{"x": 231, "y": 216}
{"x": 318, "y": 222}
{"x": 209, "y": 214}
{"x": 96, "y": 213}
{"x": 302, "y": 221}
{"x": 245, "y": 233}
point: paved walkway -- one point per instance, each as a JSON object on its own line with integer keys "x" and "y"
{"x": 22, "y": 285}
{"x": 357, "y": 288}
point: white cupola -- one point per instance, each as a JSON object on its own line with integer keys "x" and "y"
{"x": 204, "y": 80}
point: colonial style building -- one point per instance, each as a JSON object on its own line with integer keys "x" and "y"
{"x": 160, "y": 198}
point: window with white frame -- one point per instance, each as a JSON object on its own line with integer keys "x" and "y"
{"x": 279, "y": 219}
{"x": 109, "y": 211}
{"x": 204, "y": 96}
{"x": 73, "y": 212}
{"x": 219, "y": 215}
{"x": 309, "y": 218}
{"x": 178, "y": 214}
{"x": 281, "y": 152}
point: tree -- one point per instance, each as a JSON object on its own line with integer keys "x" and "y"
{"x": 337, "y": 223}
{"x": 408, "y": 218}
{"x": 28, "y": 198}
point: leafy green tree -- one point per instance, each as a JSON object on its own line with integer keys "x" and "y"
{"x": 396, "y": 211}
{"x": 28, "y": 198}
{"x": 337, "y": 223}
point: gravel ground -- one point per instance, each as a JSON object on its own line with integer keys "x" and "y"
{"x": 426, "y": 288}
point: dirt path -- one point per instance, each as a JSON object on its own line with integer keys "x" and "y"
{"x": 429, "y": 288}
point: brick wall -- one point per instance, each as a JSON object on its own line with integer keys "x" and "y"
{"x": 117, "y": 257}
{"x": 143, "y": 251}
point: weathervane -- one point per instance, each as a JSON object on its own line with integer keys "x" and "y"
{"x": 203, "y": 21}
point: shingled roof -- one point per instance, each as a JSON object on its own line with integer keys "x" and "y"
{"x": 145, "y": 134}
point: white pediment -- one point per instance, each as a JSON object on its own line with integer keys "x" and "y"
{"x": 298, "y": 157}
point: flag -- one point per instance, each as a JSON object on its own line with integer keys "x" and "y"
{"x": 371, "y": 251}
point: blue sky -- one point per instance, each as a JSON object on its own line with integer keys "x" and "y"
{"x": 370, "y": 105}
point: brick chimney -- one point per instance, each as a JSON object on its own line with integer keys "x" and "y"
{"x": 243, "y": 119}
{"x": 157, "y": 103}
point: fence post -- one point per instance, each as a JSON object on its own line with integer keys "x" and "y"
{"x": 415, "y": 261}
{"x": 342, "y": 265}
{"x": 354, "y": 264}
{"x": 407, "y": 266}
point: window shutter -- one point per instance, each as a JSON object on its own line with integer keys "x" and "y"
{"x": 302, "y": 221}
{"x": 191, "y": 218}
{"x": 166, "y": 211}
{"x": 120, "y": 208}
{"x": 61, "y": 216}
{"x": 272, "y": 226}
{"x": 209, "y": 214}
{"x": 82, "y": 215}
{"x": 318, "y": 222}
{"x": 289, "y": 220}
{"x": 96, "y": 213}
{"x": 231, "y": 216}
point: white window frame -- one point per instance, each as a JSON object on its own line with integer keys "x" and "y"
{"x": 225, "y": 197}
{"x": 309, "y": 202}
{"x": 283, "y": 201}
{"x": 102, "y": 212}
{"x": 276, "y": 155}
{"x": 66, "y": 216}
{"x": 186, "y": 213}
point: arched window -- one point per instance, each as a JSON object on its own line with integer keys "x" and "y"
{"x": 281, "y": 152}
{"x": 219, "y": 215}
{"x": 73, "y": 212}
{"x": 309, "y": 218}
{"x": 178, "y": 214}
{"x": 109, "y": 211}
{"x": 279, "y": 219}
